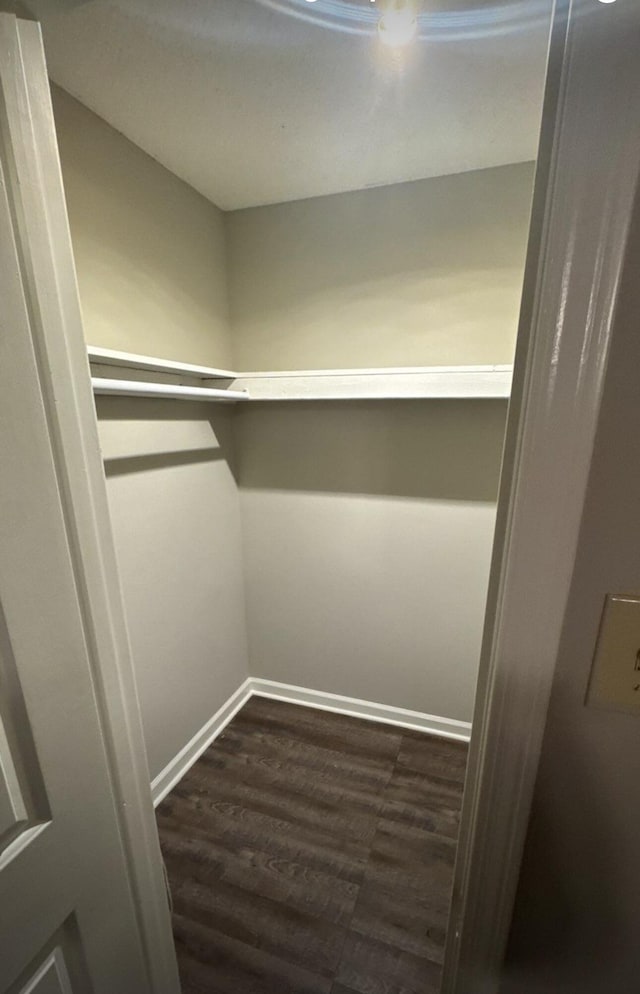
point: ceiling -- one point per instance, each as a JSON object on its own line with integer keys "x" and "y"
{"x": 261, "y": 101}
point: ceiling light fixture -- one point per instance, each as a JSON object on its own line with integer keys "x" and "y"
{"x": 398, "y": 25}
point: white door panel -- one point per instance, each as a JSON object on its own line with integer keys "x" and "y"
{"x": 51, "y": 978}
{"x": 68, "y": 916}
{"x": 13, "y": 812}
{"x": 61, "y": 855}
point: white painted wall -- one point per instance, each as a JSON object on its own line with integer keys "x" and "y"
{"x": 176, "y": 517}
{"x": 575, "y": 925}
{"x": 367, "y": 534}
{"x": 417, "y": 274}
{"x": 150, "y": 251}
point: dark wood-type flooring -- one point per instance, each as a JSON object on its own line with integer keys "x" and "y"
{"x": 312, "y": 853}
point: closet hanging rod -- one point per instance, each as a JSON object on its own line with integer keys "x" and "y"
{"x": 135, "y": 388}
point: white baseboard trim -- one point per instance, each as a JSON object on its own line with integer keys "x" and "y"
{"x": 447, "y": 728}
{"x": 176, "y": 769}
{"x": 444, "y": 727}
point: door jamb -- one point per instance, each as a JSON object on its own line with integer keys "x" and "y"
{"x": 586, "y": 179}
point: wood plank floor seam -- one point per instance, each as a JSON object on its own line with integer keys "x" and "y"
{"x": 369, "y": 853}
{"x": 312, "y": 853}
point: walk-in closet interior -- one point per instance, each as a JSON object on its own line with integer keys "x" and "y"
{"x": 300, "y": 231}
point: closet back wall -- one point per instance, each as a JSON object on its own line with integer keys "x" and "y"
{"x": 417, "y": 274}
{"x": 368, "y": 529}
{"x": 368, "y": 526}
{"x": 150, "y": 259}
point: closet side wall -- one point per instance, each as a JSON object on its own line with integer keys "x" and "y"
{"x": 368, "y": 529}
{"x": 176, "y": 518}
{"x": 150, "y": 258}
{"x": 424, "y": 273}
{"x": 150, "y": 251}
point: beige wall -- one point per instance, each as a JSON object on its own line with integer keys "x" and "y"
{"x": 176, "y": 517}
{"x": 425, "y": 273}
{"x": 150, "y": 251}
{"x": 575, "y": 926}
{"x": 367, "y": 533}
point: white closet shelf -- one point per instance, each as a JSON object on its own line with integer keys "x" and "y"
{"x": 435, "y": 382}
{"x": 133, "y": 388}
{"x": 408, "y": 383}
{"x": 128, "y": 360}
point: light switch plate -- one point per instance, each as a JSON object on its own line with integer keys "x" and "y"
{"x": 615, "y": 677}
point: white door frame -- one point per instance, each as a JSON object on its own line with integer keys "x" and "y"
{"x": 586, "y": 180}
{"x": 36, "y": 194}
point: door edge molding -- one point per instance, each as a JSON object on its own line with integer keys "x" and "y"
{"x": 586, "y": 179}
{"x": 58, "y": 340}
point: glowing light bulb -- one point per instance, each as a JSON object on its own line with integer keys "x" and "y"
{"x": 398, "y": 26}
